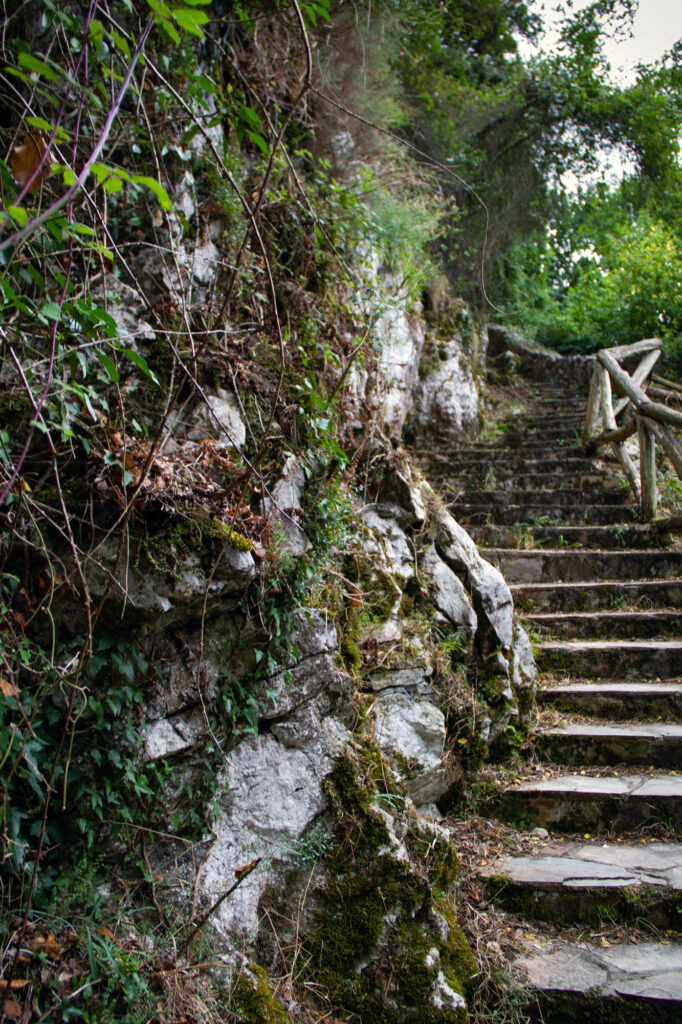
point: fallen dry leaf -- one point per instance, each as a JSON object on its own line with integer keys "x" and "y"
{"x": 8, "y": 689}
{"x": 48, "y": 945}
{"x": 25, "y": 161}
{"x": 245, "y": 868}
{"x": 14, "y": 985}
{"x": 11, "y": 1008}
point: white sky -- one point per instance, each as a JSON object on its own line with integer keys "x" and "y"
{"x": 657, "y": 26}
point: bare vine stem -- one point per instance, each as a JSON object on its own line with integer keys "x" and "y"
{"x": 67, "y": 198}
{"x": 305, "y": 87}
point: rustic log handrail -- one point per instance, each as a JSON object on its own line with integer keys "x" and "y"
{"x": 651, "y": 421}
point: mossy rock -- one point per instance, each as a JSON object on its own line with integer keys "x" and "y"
{"x": 378, "y": 946}
{"x": 254, "y": 1001}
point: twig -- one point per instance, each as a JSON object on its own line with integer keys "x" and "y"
{"x": 221, "y": 899}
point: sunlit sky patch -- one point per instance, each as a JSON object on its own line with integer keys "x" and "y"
{"x": 657, "y": 27}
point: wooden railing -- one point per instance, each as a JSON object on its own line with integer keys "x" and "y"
{"x": 651, "y": 420}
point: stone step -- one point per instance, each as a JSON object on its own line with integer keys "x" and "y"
{"x": 615, "y": 659}
{"x": 522, "y": 481}
{"x": 546, "y": 514}
{"x": 562, "y": 498}
{"x": 658, "y": 746}
{"x": 481, "y": 464}
{"x": 588, "y": 595}
{"x": 624, "y": 624}
{"x": 567, "y": 565}
{"x": 565, "y": 882}
{"x": 580, "y": 803}
{"x": 625, "y": 983}
{"x": 504, "y": 456}
{"x": 617, "y": 537}
{"x": 615, "y": 700}
{"x": 543, "y": 437}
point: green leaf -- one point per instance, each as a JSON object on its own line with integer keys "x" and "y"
{"x": 18, "y": 214}
{"x": 121, "y": 43}
{"x": 31, "y": 63}
{"x": 250, "y": 117}
{"x": 160, "y": 8}
{"x": 48, "y": 126}
{"x": 68, "y": 175}
{"x": 170, "y": 30}
{"x": 96, "y": 30}
{"x": 51, "y": 311}
{"x": 101, "y": 172}
{"x": 109, "y": 365}
{"x": 141, "y": 363}
{"x": 156, "y": 187}
{"x": 190, "y": 20}
{"x": 206, "y": 84}
{"x": 259, "y": 141}
{"x": 112, "y": 185}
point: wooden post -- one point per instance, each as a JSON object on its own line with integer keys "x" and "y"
{"x": 638, "y": 398}
{"x": 592, "y": 414}
{"x": 640, "y": 375}
{"x": 647, "y": 465}
{"x": 606, "y": 399}
{"x": 669, "y": 443}
{"x": 627, "y": 465}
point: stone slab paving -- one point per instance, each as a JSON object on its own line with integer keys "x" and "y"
{"x": 618, "y": 700}
{"x": 630, "y": 785}
{"x": 579, "y": 562}
{"x": 595, "y": 595}
{"x": 651, "y": 744}
{"x": 651, "y": 971}
{"x": 653, "y": 731}
{"x": 576, "y": 565}
{"x": 627, "y": 624}
{"x": 576, "y": 803}
{"x": 574, "y": 865}
{"x": 622, "y": 687}
{"x": 661, "y": 658}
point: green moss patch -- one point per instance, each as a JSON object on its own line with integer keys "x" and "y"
{"x": 379, "y": 944}
{"x": 253, "y": 1000}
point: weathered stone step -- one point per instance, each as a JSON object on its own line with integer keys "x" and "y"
{"x": 545, "y": 423}
{"x": 630, "y": 982}
{"x": 478, "y": 463}
{"x": 615, "y": 536}
{"x": 616, "y": 700}
{"x": 546, "y": 514}
{"x": 539, "y": 482}
{"x": 503, "y": 456}
{"x": 622, "y": 659}
{"x": 573, "y": 882}
{"x": 579, "y": 803}
{"x": 566, "y": 565}
{"x": 543, "y": 442}
{"x": 568, "y": 497}
{"x": 656, "y": 745}
{"x": 624, "y": 624}
{"x": 586, "y": 595}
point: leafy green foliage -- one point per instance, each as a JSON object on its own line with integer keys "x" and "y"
{"x": 101, "y": 777}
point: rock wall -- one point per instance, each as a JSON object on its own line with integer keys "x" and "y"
{"x": 339, "y": 759}
{"x": 509, "y": 352}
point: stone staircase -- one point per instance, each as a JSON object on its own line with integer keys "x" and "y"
{"x": 601, "y": 597}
